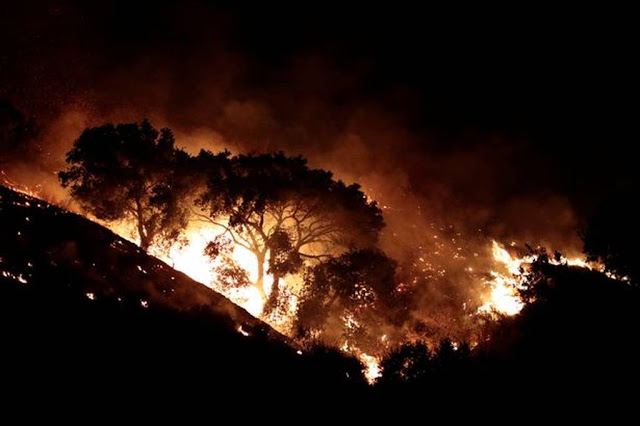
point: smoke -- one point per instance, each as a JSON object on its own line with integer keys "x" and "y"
{"x": 223, "y": 80}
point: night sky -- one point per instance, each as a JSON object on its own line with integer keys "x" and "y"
{"x": 494, "y": 117}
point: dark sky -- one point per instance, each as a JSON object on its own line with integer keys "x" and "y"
{"x": 486, "y": 106}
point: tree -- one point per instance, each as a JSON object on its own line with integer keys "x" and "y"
{"x": 411, "y": 362}
{"x": 287, "y": 214}
{"x": 355, "y": 289}
{"x": 415, "y": 365}
{"x": 130, "y": 171}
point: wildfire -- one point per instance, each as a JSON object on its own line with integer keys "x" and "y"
{"x": 188, "y": 256}
{"x": 191, "y": 259}
{"x": 505, "y": 283}
{"x": 372, "y": 369}
{"x": 504, "y": 280}
{"x": 504, "y": 297}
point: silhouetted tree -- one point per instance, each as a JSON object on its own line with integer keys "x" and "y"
{"x": 550, "y": 340}
{"x": 333, "y": 364}
{"x": 287, "y": 214}
{"x": 130, "y": 171}
{"x": 228, "y": 273}
{"x": 358, "y": 289}
{"x": 411, "y": 362}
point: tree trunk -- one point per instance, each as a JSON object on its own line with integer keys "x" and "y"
{"x": 144, "y": 240}
{"x": 274, "y": 296}
{"x": 259, "y": 284}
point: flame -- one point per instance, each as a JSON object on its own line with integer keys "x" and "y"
{"x": 503, "y": 297}
{"x": 191, "y": 259}
{"x": 241, "y": 331}
{"x": 189, "y": 256}
{"x": 504, "y": 280}
{"x": 372, "y": 369}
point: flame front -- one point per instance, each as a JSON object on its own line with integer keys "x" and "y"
{"x": 188, "y": 256}
{"x": 191, "y": 259}
{"x": 505, "y": 275}
{"x": 505, "y": 283}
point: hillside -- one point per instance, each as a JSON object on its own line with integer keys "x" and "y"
{"x": 81, "y": 306}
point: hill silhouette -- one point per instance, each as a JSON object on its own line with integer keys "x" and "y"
{"x": 85, "y": 314}
{"x": 571, "y": 349}
{"x": 85, "y": 310}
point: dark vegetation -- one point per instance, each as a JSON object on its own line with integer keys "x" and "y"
{"x": 80, "y": 305}
{"x": 573, "y": 340}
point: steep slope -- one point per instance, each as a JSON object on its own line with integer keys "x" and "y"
{"x": 81, "y": 306}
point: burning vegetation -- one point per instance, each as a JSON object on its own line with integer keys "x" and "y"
{"x": 319, "y": 205}
{"x": 293, "y": 246}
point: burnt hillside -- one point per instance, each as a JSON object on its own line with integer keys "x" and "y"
{"x": 82, "y": 307}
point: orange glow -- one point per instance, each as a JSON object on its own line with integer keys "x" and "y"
{"x": 503, "y": 296}
{"x": 372, "y": 369}
{"x": 509, "y": 277}
{"x": 191, "y": 259}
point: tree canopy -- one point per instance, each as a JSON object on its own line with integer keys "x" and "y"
{"x": 130, "y": 171}
{"x": 288, "y": 214}
{"x": 358, "y": 286}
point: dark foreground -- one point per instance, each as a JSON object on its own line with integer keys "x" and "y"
{"x": 87, "y": 318}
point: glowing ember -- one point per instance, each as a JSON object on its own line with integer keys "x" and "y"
{"x": 18, "y": 277}
{"x": 91, "y": 296}
{"x": 241, "y": 331}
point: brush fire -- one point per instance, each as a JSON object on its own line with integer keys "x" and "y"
{"x": 501, "y": 277}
